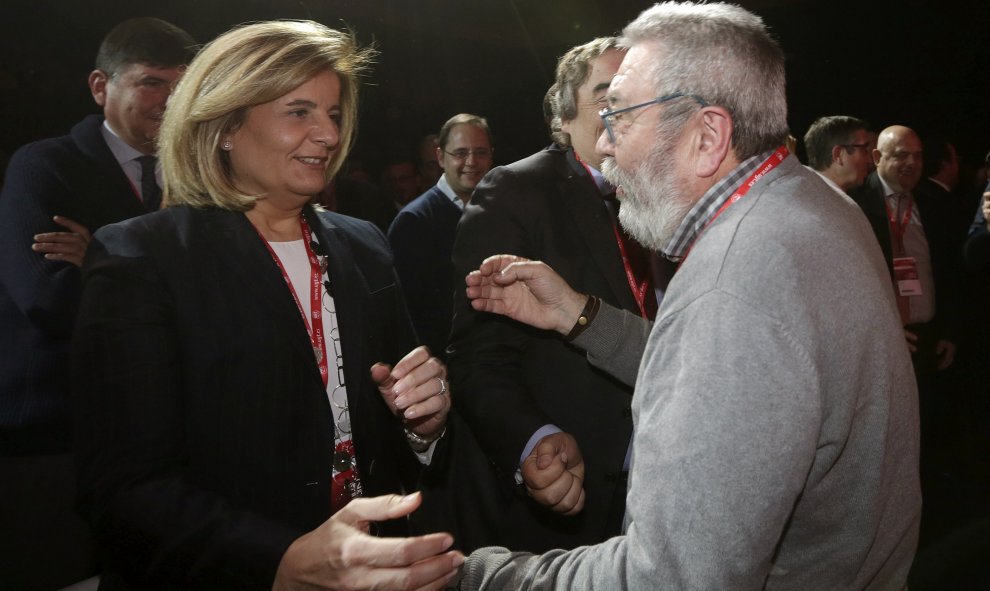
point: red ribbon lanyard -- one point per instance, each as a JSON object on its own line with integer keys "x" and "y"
{"x": 899, "y": 229}
{"x": 638, "y": 288}
{"x": 769, "y": 164}
{"x": 314, "y": 327}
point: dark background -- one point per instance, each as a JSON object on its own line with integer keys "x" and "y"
{"x": 920, "y": 63}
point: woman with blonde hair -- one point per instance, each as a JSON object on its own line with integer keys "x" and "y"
{"x": 232, "y": 355}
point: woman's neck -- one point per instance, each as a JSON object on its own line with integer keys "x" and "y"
{"x": 275, "y": 224}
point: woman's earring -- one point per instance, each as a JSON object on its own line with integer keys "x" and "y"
{"x": 227, "y": 145}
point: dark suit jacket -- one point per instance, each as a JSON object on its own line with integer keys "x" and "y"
{"x": 943, "y": 244}
{"x": 78, "y": 177}
{"x": 422, "y": 238}
{"x": 510, "y": 379}
{"x": 204, "y": 431}
{"x": 977, "y": 245}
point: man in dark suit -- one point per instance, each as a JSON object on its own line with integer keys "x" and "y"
{"x": 555, "y": 429}
{"x": 57, "y": 191}
{"x": 941, "y": 187}
{"x": 917, "y": 235}
{"x": 422, "y": 235}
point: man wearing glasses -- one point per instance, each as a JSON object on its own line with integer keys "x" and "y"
{"x": 922, "y": 249}
{"x": 839, "y": 150}
{"x": 422, "y": 235}
{"x": 776, "y": 421}
{"x": 554, "y": 429}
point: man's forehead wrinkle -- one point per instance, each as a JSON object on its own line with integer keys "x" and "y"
{"x": 619, "y": 88}
{"x": 615, "y": 87}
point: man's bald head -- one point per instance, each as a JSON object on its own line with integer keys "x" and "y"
{"x": 899, "y": 157}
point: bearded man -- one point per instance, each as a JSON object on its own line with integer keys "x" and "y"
{"x": 776, "y": 431}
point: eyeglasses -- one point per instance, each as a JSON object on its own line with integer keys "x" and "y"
{"x": 613, "y": 118}
{"x": 464, "y": 153}
{"x": 851, "y": 147}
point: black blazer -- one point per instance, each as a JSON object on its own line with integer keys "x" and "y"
{"x": 204, "y": 431}
{"x": 78, "y": 177}
{"x": 944, "y": 246}
{"x": 509, "y": 380}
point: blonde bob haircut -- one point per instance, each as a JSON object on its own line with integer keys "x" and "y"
{"x": 247, "y": 66}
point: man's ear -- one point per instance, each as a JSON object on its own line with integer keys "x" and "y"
{"x": 98, "y": 80}
{"x": 440, "y": 156}
{"x": 837, "y": 152}
{"x": 876, "y": 157}
{"x": 714, "y": 140}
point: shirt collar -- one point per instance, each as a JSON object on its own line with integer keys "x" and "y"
{"x": 121, "y": 151}
{"x": 445, "y": 188}
{"x": 827, "y": 180}
{"x": 604, "y": 187}
{"x": 706, "y": 207}
{"x": 889, "y": 192}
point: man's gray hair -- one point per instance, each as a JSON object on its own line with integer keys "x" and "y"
{"x": 723, "y": 54}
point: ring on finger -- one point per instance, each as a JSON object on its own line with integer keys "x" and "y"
{"x": 443, "y": 387}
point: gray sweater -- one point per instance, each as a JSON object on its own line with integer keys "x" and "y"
{"x": 775, "y": 411}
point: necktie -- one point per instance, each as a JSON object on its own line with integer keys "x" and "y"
{"x": 151, "y": 194}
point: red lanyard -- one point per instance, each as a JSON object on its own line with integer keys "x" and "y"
{"x": 314, "y": 327}
{"x": 638, "y": 287}
{"x": 899, "y": 229}
{"x": 769, "y": 164}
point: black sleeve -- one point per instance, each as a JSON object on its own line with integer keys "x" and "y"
{"x": 157, "y": 525}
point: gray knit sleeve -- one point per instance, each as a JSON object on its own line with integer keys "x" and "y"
{"x": 615, "y": 341}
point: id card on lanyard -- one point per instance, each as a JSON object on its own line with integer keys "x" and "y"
{"x": 906, "y": 275}
{"x": 905, "y": 268}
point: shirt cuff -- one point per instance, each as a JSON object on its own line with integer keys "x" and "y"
{"x": 540, "y": 433}
{"x": 426, "y": 456}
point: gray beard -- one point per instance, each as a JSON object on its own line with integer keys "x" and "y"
{"x": 654, "y": 204}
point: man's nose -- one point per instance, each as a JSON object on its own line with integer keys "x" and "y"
{"x": 604, "y": 145}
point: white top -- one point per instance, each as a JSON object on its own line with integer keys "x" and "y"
{"x": 447, "y": 190}
{"x": 295, "y": 261}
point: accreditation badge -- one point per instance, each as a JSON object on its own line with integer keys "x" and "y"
{"x": 906, "y": 276}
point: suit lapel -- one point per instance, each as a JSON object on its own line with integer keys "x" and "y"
{"x": 118, "y": 194}
{"x": 594, "y": 223}
{"x": 875, "y": 204}
{"x": 240, "y": 250}
{"x": 876, "y": 211}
